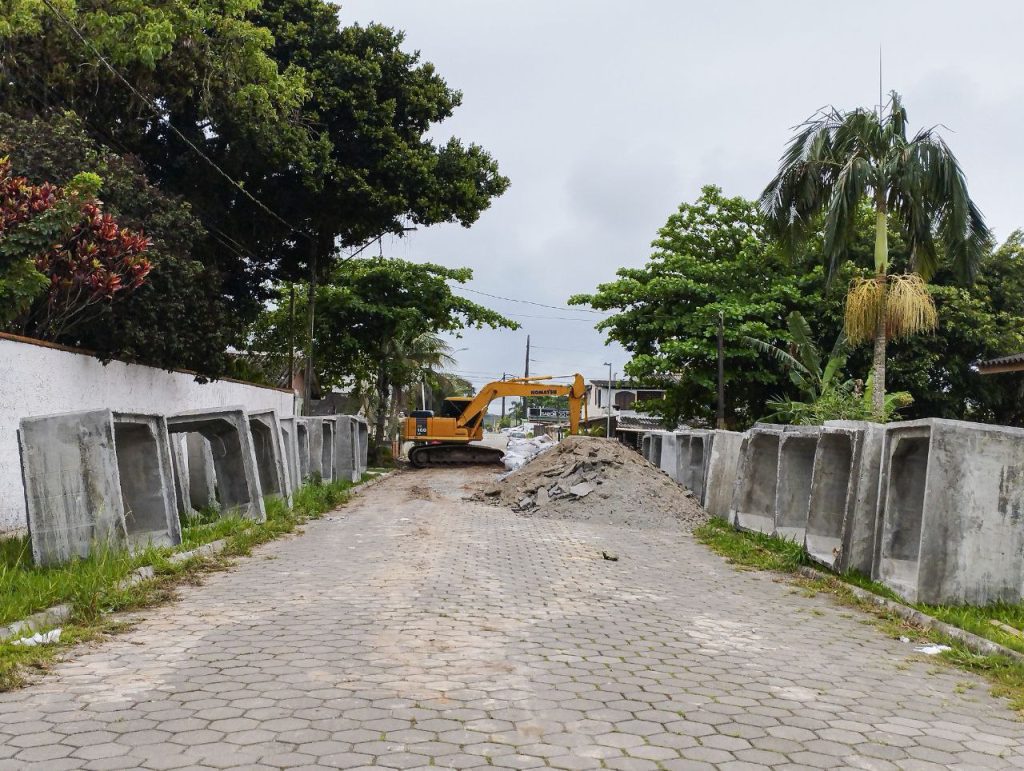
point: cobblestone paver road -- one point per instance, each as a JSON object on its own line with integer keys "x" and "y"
{"x": 414, "y": 629}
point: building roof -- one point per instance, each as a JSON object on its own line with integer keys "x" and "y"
{"x": 625, "y": 385}
{"x": 1012, "y": 363}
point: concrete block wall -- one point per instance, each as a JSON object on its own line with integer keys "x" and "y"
{"x": 843, "y": 518}
{"x": 271, "y": 460}
{"x": 347, "y": 448}
{"x": 94, "y": 479}
{"x": 797, "y": 446}
{"x": 311, "y": 446}
{"x": 693, "y": 475}
{"x": 327, "y": 427}
{"x": 722, "y": 470}
{"x": 670, "y": 450}
{"x": 290, "y": 441}
{"x": 40, "y": 379}
{"x": 753, "y": 505}
{"x": 363, "y": 435}
{"x": 953, "y": 499}
{"x": 234, "y": 457}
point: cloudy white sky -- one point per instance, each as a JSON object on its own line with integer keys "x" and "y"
{"x": 606, "y": 115}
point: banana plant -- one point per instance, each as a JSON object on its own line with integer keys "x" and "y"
{"x": 802, "y": 361}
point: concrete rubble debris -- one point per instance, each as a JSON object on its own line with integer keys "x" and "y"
{"x": 234, "y": 457}
{"x": 720, "y": 480}
{"x": 953, "y": 495}
{"x": 97, "y": 478}
{"x": 617, "y": 485}
{"x": 271, "y": 463}
{"x": 797, "y": 448}
{"x": 843, "y": 514}
{"x": 753, "y": 505}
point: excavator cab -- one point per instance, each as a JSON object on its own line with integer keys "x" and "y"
{"x": 454, "y": 406}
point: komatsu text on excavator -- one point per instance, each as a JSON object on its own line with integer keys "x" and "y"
{"x": 445, "y": 439}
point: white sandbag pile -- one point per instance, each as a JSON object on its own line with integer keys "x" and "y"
{"x": 520, "y": 451}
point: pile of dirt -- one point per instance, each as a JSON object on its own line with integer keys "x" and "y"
{"x": 595, "y": 480}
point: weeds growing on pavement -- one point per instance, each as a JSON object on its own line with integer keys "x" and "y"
{"x": 762, "y": 552}
{"x": 93, "y": 586}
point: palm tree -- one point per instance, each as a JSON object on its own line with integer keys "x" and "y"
{"x": 406, "y": 362}
{"x": 836, "y": 161}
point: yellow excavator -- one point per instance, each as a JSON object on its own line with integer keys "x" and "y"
{"x": 446, "y": 439}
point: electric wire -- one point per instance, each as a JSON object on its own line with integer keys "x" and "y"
{"x": 156, "y": 112}
{"x": 531, "y": 302}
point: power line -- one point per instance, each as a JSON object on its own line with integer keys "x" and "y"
{"x": 156, "y": 112}
{"x": 571, "y": 350}
{"x": 530, "y": 302}
{"x": 549, "y": 318}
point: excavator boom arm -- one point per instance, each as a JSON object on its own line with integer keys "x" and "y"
{"x": 526, "y": 387}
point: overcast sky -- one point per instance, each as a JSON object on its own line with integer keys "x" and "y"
{"x": 607, "y": 115}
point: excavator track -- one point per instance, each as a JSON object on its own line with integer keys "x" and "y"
{"x": 438, "y": 455}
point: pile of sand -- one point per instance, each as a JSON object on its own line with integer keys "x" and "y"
{"x": 595, "y": 480}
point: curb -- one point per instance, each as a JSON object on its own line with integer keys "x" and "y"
{"x": 972, "y": 642}
{"x": 371, "y": 483}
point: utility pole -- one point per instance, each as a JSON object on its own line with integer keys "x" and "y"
{"x": 503, "y": 376}
{"x": 721, "y": 371}
{"x": 526, "y": 403}
{"x": 608, "y": 407}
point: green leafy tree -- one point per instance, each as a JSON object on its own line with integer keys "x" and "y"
{"x": 839, "y": 159}
{"x": 376, "y": 327}
{"x": 711, "y": 258}
{"x": 204, "y": 85}
{"x": 183, "y": 315}
{"x": 61, "y": 256}
{"x": 377, "y": 170}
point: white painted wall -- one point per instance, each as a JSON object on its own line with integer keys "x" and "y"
{"x": 41, "y": 380}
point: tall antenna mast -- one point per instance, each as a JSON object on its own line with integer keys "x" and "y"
{"x": 879, "y": 82}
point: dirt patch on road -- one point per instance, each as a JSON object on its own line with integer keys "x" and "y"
{"x": 594, "y": 480}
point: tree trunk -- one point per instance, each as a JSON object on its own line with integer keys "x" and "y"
{"x": 881, "y": 270}
{"x": 878, "y": 369}
{"x": 383, "y": 389}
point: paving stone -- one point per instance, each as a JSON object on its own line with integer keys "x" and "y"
{"x": 417, "y": 630}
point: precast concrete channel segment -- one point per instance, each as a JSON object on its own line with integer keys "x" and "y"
{"x": 414, "y": 628}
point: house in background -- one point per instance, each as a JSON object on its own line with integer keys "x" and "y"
{"x": 623, "y": 394}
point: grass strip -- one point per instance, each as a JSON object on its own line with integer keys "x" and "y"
{"x": 761, "y": 552}
{"x": 93, "y": 586}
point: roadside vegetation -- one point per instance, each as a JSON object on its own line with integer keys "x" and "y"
{"x": 95, "y": 587}
{"x": 757, "y": 551}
